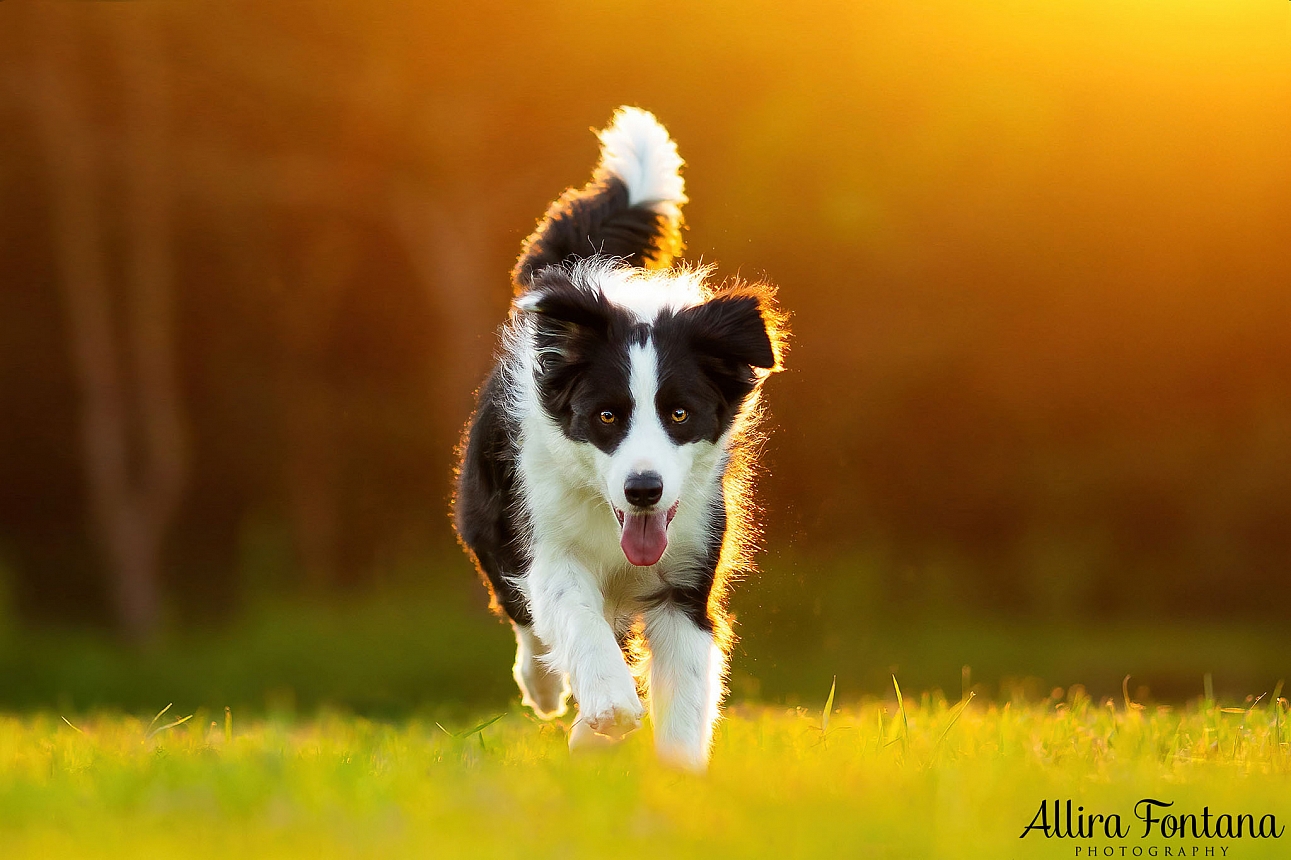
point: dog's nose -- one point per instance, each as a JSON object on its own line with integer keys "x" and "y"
{"x": 643, "y": 489}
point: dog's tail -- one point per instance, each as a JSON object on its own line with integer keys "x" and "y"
{"x": 631, "y": 208}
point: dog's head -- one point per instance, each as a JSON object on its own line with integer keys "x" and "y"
{"x": 651, "y": 371}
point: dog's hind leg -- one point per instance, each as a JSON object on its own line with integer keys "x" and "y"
{"x": 686, "y": 671}
{"x": 542, "y": 688}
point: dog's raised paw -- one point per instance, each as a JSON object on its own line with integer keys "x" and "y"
{"x": 606, "y": 722}
{"x": 616, "y": 722}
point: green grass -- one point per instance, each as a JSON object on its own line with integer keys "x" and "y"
{"x": 333, "y": 747}
{"x": 927, "y": 778}
{"x": 438, "y": 651}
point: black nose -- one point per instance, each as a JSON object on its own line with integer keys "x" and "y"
{"x": 643, "y": 489}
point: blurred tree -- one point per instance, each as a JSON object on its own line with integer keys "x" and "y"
{"x": 319, "y": 267}
{"x": 135, "y": 451}
{"x": 1036, "y": 260}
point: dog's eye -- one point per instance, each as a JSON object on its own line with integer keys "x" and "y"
{"x": 608, "y": 417}
{"x": 679, "y": 416}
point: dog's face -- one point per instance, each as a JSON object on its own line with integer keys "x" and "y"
{"x": 651, "y": 397}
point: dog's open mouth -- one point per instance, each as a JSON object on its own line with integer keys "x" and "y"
{"x": 644, "y": 536}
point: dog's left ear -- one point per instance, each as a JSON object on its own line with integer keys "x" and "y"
{"x": 735, "y": 335}
{"x": 732, "y": 327}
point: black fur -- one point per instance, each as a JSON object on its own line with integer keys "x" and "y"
{"x": 693, "y": 599}
{"x": 706, "y": 355}
{"x": 596, "y": 219}
{"x": 487, "y": 502}
{"x": 585, "y": 373}
{"x": 583, "y": 367}
{"x": 706, "y": 358}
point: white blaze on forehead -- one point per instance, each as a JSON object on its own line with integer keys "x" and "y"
{"x": 647, "y": 447}
{"x": 645, "y": 444}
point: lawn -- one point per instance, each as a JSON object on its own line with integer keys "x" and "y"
{"x": 350, "y": 735}
{"x": 876, "y": 778}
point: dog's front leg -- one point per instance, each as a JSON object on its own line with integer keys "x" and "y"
{"x": 686, "y": 669}
{"x": 569, "y": 616}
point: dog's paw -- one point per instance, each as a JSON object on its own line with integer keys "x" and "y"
{"x": 609, "y": 717}
{"x": 546, "y": 703}
{"x": 543, "y": 690}
{"x": 616, "y": 722}
{"x": 583, "y": 739}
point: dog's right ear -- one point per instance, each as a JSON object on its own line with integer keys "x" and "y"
{"x": 558, "y": 303}
{"x": 570, "y": 323}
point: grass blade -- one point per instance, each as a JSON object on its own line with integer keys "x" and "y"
{"x": 829, "y": 707}
{"x": 1277, "y": 716}
{"x": 159, "y": 715}
{"x": 481, "y": 727}
{"x": 169, "y": 725}
{"x": 954, "y": 719}
{"x": 905, "y": 721}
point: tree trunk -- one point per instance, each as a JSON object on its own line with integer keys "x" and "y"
{"x": 130, "y": 507}
{"x": 320, "y": 264}
{"x": 448, "y": 247}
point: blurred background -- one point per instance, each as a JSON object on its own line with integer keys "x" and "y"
{"x": 1035, "y": 427}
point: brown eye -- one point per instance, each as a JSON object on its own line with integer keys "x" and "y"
{"x": 679, "y": 416}
{"x": 608, "y": 417}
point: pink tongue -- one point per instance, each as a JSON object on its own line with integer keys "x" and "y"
{"x": 645, "y": 537}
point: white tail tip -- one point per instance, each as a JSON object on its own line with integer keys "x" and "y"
{"x": 636, "y": 148}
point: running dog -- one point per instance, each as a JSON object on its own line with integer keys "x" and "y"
{"x": 603, "y": 485}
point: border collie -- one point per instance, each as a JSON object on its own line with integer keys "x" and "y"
{"x": 603, "y": 483}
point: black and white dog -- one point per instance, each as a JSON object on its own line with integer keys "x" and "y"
{"x": 603, "y": 481}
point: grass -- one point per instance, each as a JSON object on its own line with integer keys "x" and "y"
{"x": 920, "y": 778}
{"x": 438, "y": 650}
{"x": 386, "y": 726}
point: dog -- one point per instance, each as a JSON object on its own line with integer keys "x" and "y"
{"x": 604, "y": 477}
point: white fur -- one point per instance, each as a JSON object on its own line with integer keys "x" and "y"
{"x": 647, "y": 447}
{"x": 644, "y": 292}
{"x": 581, "y": 590}
{"x": 542, "y": 688}
{"x": 638, "y": 150}
{"x": 569, "y": 616}
{"x": 686, "y": 671}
